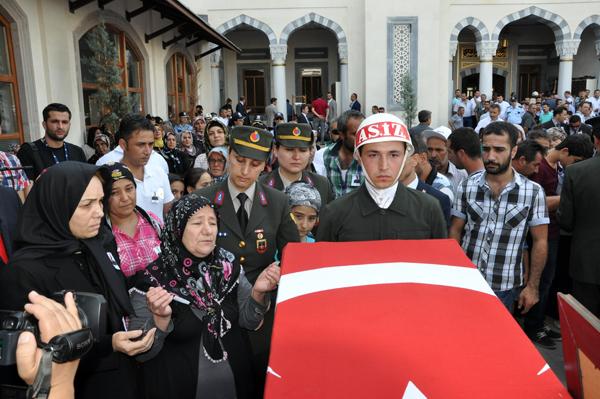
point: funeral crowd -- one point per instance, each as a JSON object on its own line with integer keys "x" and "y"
{"x": 180, "y": 224}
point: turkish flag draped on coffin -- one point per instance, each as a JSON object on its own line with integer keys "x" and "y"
{"x": 396, "y": 319}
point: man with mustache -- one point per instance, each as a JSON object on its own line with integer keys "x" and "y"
{"x": 342, "y": 169}
{"x": 492, "y": 214}
{"x": 52, "y": 148}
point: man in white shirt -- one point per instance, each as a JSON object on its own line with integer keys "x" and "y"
{"x": 469, "y": 106}
{"x": 493, "y": 116}
{"x": 503, "y": 106}
{"x": 595, "y": 101}
{"x": 585, "y": 111}
{"x": 223, "y": 116}
{"x": 153, "y": 191}
{"x": 116, "y": 155}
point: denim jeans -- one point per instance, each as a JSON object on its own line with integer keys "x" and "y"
{"x": 508, "y": 297}
{"x": 534, "y": 319}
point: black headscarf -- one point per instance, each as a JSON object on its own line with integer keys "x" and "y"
{"x": 43, "y": 229}
{"x": 204, "y": 282}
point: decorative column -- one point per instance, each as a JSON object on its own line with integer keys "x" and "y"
{"x": 278, "y": 55}
{"x": 566, "y": 49}
{"x": 215, "y": 66}
{"x": 486, "y": 49}
{"x": 343, "y": 98}
{"x": 453, "y": 47}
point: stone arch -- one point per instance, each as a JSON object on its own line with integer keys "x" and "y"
{"x": 559, "y": 26}
{"x": 182, "y": 50}
{"x": 317, "y": 19}
{"x": 593, "y": 21}
{"x": 474, "y": 25}
{"x": 243, "y": 19}
{"x": 471, "y": 71}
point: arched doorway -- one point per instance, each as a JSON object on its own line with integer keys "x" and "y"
{"x": 530, "y": 38}
{"x": 248, "y": 74}
{"x": 586, "y": 64}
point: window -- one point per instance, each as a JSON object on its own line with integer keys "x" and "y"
{"x": 132, "y": 76}
{"x": 181, "y": 85}
{"x": 11, "y": 127}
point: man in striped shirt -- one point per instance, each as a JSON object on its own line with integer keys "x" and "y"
{"x": 495, "y": 209}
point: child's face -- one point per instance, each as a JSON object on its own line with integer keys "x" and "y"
{"x": 305, "y": 218}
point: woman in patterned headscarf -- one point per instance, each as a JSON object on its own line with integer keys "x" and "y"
{"x": 198, "y": 297}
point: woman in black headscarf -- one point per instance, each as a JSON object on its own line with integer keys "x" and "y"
{"x": 64, "y": 246}
{"x": 198, "y": 297}
{"x": 179, "y": 162}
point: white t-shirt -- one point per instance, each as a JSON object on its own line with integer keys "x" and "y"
{"x": 116, "y": 155}
{"x": 154, "y": 191}
{"x": 483, "y": 122}
{"x": 318, "y": 162}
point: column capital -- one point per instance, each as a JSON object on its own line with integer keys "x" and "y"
{"x": 215, "y": 59}
{"x": 566, "y": 49}
{"x": 486, "y": 49}
{"x": 453, "y": 48}
{"x": 278, "y": 53}
{"x": 343, "y": 52}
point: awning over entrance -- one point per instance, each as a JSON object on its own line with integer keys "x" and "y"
{"x": 185, "y": 25}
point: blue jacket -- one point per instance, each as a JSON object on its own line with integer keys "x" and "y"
{"x": 441, "y": 197}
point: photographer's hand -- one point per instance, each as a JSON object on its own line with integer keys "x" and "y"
{"x": 54, "y": 319}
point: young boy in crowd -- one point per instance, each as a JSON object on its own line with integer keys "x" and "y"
{"x": 305, "y": 204}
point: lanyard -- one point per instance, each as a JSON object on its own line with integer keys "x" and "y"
{"x": 54, "y": 155}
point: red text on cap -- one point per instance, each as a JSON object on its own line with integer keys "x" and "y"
{"x": 381, "y": 129}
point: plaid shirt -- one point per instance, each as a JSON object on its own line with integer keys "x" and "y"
{"x": 354, "y": 176}
{"x": 16, "y": 179}
{"x": 140, "y": 250}
{"x": 495, "y": 229}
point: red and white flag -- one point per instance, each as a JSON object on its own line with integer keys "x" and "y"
{"x": 396, "y": 319}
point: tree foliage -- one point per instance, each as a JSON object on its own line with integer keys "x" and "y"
{"x": 409, "y": 100}
{"x": 103, "y": 64}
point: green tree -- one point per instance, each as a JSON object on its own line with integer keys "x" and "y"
{"x": 408, "y": 100}
{"x": 102, "y": 63}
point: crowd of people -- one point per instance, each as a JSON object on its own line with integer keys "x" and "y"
{"x": 181, "y": 225}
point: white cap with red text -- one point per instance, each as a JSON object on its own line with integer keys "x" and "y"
{"x": 382, "y": 127}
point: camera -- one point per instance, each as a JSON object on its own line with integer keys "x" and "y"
{"x": 91, "y": 309}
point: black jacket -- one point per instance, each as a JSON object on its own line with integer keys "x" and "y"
{"x": 442, "y": 198}
{"x": 102, "y": 373}
{"x": 550, "y": 124}
{"x": 39, "y": 156}
{"x": 321, "y": 183}
{"x": 579, "y": 214}
{"x": 8, "y": 217}
{"x": 355, "y": 216}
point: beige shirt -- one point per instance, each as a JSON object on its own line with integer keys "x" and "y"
{"x": 236, "y": 202}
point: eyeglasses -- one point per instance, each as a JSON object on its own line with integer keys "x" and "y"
{"x": 216, "y": 161}
{"x": 335, "y": 131}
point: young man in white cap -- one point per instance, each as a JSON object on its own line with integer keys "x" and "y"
{"x": 382, "y": 208}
